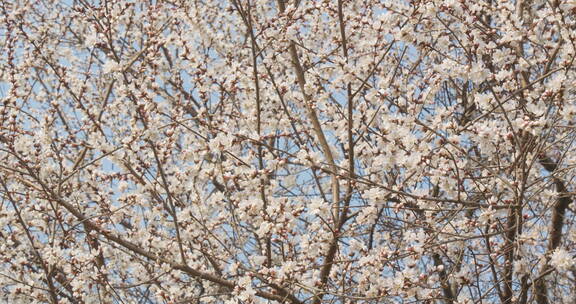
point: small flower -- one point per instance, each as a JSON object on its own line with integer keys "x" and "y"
{"x": 562, "y": 259}
{"x": 110, "y": 66}
{"x": 91, "y": 39}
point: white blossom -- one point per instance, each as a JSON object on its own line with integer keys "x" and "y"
{"x": 562, "y": 259}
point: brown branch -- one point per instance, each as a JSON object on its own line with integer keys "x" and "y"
{"x": 317, "y": 127}
{"x": 341, "y": 217}
{"x": 557, "y": 223}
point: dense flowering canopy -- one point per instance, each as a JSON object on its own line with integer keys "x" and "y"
{"x": 287, "y": 151}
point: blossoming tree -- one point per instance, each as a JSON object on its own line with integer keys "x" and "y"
{"x": 287, "y": 151}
